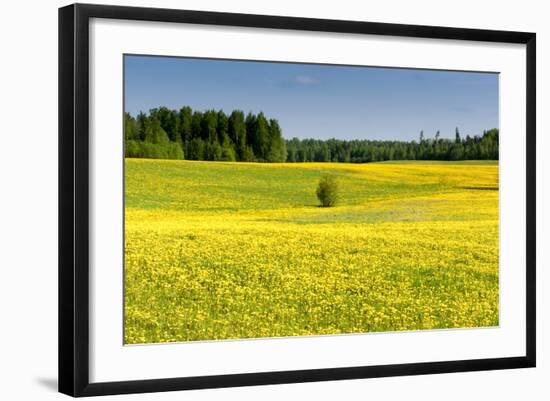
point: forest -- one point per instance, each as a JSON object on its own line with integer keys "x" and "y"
{"x": 216, "y": 136}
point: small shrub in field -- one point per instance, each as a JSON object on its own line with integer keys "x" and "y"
{"x": 327, "y": 191}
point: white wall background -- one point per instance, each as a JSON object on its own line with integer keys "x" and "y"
{"x": 28, "y": 199}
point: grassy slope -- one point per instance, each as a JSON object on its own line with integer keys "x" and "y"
{"x": 234, "y": 250}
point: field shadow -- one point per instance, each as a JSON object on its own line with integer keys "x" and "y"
{"x": 487, "y": 188}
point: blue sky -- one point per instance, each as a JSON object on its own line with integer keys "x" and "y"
{"x": 320, "y": 101}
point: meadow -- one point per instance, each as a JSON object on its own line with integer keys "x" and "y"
{"x": 221, "y": 250}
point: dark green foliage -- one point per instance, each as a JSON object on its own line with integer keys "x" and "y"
{"x": 228, "y": 153}
{"x": 457, "y": 136}
{"x": 327, "y": 191}
{"x": 196, "y": 149}
{"x": 209, "y": 135}
{"x": 237, "y": 133}
{"x": 130, "y": 127}
{"x": 213, "y": 151}
{"x": 248, "y": 155}
{"x": 209, "y": 125}
{"x": 170, "y": 150}
{"x": 276, "y": 146}
{"x": 196, "y": 124}
{"x": 364, "y": 151}
{"x": 222, "y": 127}
{"x": 260, "y": 138}
{"x": 185, "y": 127}
{"x": 213, "y": 135}
{"x": 141, "y": 121}
{"x": 168, "y": 120}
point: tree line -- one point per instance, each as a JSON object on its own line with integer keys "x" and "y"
{"x": 214, "y": 135}
{"x": 209, "y": 135}
{"x": 482, "y": 147}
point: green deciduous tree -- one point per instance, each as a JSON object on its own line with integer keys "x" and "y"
{"x": 213, "y": 135}
{"x": 327, "y": 191}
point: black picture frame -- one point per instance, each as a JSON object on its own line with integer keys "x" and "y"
{"x": 74, "y": 198}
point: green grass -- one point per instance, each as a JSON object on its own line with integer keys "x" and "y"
{"x": 237, "y": 250}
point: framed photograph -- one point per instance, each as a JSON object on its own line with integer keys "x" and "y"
{"x": 251, "y": 199}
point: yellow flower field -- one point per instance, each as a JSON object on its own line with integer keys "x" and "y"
{"x": 219, "y": 250}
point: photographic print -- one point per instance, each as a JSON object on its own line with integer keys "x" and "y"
{"x": 274, "y": 199}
